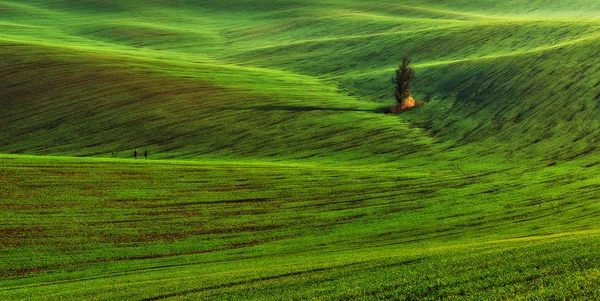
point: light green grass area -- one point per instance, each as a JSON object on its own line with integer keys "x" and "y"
{"x": 274, "y": 173}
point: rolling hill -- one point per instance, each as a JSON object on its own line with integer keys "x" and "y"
{"x": 276, "y": 173}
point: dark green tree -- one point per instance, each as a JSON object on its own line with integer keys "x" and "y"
{"x": 405, "y": 74}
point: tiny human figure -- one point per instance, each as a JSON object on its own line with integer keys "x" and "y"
{"x": 146, "y": 154}
{"x": 135, "y": 154}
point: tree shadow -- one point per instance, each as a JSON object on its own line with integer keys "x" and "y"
{"x": 314, "y": 108}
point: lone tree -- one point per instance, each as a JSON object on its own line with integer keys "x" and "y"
{"x": 403, "y": 79}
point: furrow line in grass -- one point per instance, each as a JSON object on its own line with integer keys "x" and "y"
{"x": 347, "y": 38}
{"x": 133, "y": 271}
{"x": 262, "y": 279}
{"x": 510, "y": 54}
{"x": 443, "y": 12}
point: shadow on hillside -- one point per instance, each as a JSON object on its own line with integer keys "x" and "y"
{"x": 314, "y": 108}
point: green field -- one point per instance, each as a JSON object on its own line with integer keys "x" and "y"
{"x": 274, "y": 173}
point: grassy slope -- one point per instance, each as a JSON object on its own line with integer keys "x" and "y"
{"x": 116, "y": 229}
{"x": 487, "y": 76}
{"x": 469, "y": 212}
{"x": 180, "y": 106}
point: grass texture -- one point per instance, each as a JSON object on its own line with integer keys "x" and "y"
{"x": 274, "y": 173}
